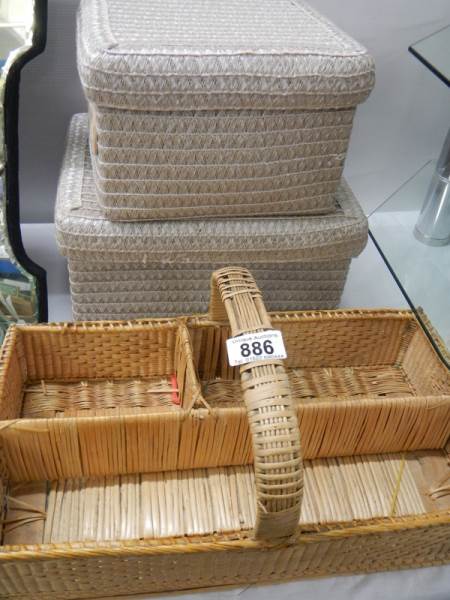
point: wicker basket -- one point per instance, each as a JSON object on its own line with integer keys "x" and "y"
{"x": 217, "y": 109}
{"x": 147, "y": 438}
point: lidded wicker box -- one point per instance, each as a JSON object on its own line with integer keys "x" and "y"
{"x": 214, "y": 107}
{"x": 134, "y": 459}
{"x": 133, "y": 270}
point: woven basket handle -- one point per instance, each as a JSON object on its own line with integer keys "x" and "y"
{"x": 271, "y": 412}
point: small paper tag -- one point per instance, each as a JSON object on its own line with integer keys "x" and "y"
{"x": 265, "y": 345}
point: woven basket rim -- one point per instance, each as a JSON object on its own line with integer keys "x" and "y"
{"x": 219, "y": 543}
{"x": 203, "y": 319}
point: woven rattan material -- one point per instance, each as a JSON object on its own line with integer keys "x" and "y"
{"x": 217, "y": 55}
{"x": 338, "y": 383}
{"x": 84, "y": 234}
{"x": 148, "y": 567}
{"x": 355, "y": 383}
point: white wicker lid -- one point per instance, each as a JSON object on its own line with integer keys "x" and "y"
{"x": 217, "y": 54}
{"x": 84, "y": 234}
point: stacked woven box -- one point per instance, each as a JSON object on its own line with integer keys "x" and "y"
{"x": 217, "y": 134}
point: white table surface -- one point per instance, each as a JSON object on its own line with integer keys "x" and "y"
{"x": 369, "y": 285}
{"x": 414, "y": 584}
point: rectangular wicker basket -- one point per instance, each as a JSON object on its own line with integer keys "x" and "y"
{"x": 217, "y": 109}
{"x": 130, "y": 453}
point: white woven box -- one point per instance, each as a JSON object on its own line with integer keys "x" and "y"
{"x": 217, "y": 108}
{"x": 132, "y": 270}
{"x": 101, "y": 290}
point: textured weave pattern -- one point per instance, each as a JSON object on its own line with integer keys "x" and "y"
{"x": 222, "y": 163}
{"x": 92, "y": 277}
{"x": 209, "y": 54}
{"x": 84, "y": 234}
{"x": 106, "y": 312}
{"x": 215, "y": 144}
{"x": 131, "y": 291}
{"x": 138, "y": 200}
{"x": 321, "y": 124}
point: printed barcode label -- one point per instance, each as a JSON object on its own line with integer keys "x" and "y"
{"x": 248, "y": 348}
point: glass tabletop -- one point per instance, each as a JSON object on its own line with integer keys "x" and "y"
{"x": 422, "y": 272}
{"x": 434, "y": 52}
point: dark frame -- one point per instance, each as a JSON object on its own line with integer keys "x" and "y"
{"x": 11, "y": 141}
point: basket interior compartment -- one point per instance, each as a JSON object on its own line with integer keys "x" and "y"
{"x": 364, "y": 382}
{"x": 221, "y": 500}
{"x": 368, "y": 454}
{"x": 333, "y": 356}
{"x": 95, "y": 370}
{"x": 100, "y": 398}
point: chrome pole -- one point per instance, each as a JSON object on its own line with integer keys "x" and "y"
{"x": 433, "y": 225}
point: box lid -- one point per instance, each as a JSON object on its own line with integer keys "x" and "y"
{"x": 217, "y": 54}
{"x": 83, "y": 233}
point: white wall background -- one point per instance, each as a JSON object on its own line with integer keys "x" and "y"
{"x": 397, "y": 130}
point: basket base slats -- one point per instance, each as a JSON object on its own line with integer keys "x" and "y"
{"x": 215, "y": 501}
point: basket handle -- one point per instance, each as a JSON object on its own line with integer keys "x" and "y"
{"x": 270, "y": 409}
